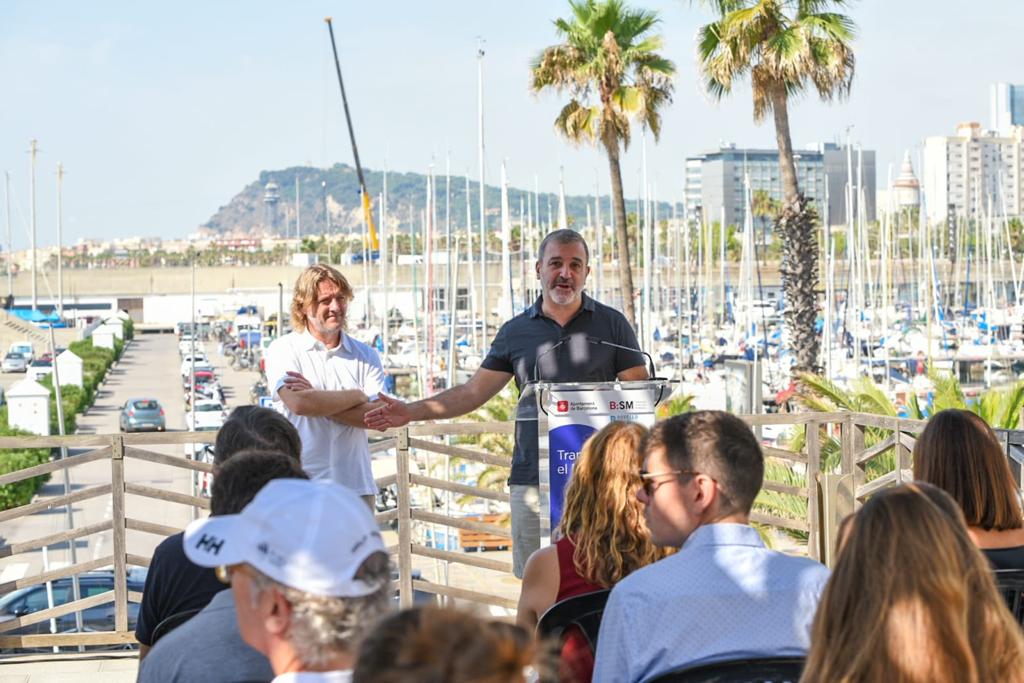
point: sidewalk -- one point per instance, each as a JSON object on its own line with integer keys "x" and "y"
{"x": 109, "y": 667}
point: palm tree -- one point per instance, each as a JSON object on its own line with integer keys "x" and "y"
{"x": 785, "y": 46}
{"x": 610, "y": 68}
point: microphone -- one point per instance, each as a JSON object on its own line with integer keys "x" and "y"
{"x": 536, "y": 363}
{"x": 602, "y": 342}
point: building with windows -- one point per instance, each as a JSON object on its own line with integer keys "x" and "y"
{"x": 715, "y": 181}
{"x": 1007, "y": 107}
{"x": 964, "y": 172}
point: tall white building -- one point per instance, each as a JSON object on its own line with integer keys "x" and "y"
{"x": 1007, "y": 107}
{"x": 967, "y": 169}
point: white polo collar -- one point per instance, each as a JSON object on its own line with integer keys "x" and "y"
{"x": 308, "y": 342}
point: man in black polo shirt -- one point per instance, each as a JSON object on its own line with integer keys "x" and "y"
{"x": 525, "y": 348}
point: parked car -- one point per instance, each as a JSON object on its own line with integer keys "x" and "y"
{"x": 14, "y": 362}
{"x": 208, "y": 415}
{"x": 25, "y": 348}
{"x": 202, "y": 365}
{"x": 31, "y": 599}
{"x": 186, "y": 345}
{"x": 38, "y": 369}
{"x": 139, "y": 414}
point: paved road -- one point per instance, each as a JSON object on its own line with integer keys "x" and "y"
{"x": 149, "y": 368}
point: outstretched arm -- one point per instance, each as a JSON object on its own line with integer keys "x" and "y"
{"x": 451, "y": 403}
{"x": 302, "y": 399}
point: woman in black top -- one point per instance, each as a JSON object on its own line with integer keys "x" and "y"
{"x": 959, "y": 453}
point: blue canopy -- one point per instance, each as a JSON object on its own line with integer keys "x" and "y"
{"x": 35, "y": 315}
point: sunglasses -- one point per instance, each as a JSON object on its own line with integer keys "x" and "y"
{"x": 224, "y": 572}
{"x": 650, "y": 486}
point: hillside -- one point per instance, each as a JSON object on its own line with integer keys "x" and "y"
{"x": 247, "y": 213}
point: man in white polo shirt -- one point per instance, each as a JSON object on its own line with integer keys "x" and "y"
{"x": 320, "y": 379}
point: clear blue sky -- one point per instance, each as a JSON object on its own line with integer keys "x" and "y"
{"x": 161, "y": 112}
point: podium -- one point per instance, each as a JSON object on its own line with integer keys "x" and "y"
{"x": 567, "y": 413}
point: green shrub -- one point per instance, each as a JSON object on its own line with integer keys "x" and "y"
{"x": 21, "y": 492}
{"x": 129, "y": 329}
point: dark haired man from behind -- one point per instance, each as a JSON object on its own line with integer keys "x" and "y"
{"x": 174, "y": 584}
{"x": 557, "y": 339}
{"x": 724, "y": 595}
{"x": 208, "y": 647}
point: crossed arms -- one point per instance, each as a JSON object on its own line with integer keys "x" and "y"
{"x": 347, "y": 406}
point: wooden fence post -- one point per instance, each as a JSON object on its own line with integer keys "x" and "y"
{"x": 852, "y": 439}
{"x": 404, "y": 522}
{"x": 837, "y": 501}
{"x": 812, "y": 440}
{"x": 904, "y": 456}
{"x": 120, "y": 550}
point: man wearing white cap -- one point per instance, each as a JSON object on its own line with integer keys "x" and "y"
{"x": 308, "y": 571}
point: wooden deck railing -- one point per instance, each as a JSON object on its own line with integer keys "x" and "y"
{"x": 830, "y": 463}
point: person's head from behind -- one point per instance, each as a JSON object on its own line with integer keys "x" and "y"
{"x": 434, "y": 645}
{"x": 253, "y": 427}
{"x": 699, "y": 468}
{"x": 563, "y": 266}
{"x": 912, "y": 599}
{"x": 959, "y": 453}
{"x": 320, "y": 302}
{"x": 243, "y": 476}
{"x": 601, "y": 513}
{"x": 307, "y": 567}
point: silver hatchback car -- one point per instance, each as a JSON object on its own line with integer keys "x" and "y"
{"x": 14, "y": 362}
{"x": 139, "y": 414}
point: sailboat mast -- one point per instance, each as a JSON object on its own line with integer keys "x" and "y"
{"x": 476, "y": 338}
{"x": 33, "y": 150}
{"x": 483, "y": 219}
{"x": 7, "y": 201}
{"x": 506, "y": 255}
{"x": 60, "y": 240}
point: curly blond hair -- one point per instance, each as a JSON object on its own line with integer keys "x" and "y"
{"x": 306, "y": 287}
{"x": 601, "y": 515}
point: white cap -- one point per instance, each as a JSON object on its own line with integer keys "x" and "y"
{"x": 310, "y": 535}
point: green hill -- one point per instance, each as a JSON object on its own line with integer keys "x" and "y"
{"x": 338, "y": 189}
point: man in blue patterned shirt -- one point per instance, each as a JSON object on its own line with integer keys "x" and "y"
{"x": 724, "y": 595}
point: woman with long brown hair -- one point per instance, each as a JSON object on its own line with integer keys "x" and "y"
{"x": 959, "y": 453}
{"x": 603, "y": 535}
{"x": 912, "y": 600}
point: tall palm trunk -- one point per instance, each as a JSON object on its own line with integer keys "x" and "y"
{"x": 796, "y": 227}
{"x": 621, "y": 235}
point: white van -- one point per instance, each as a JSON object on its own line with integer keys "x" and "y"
{"x": 25, "y": 349}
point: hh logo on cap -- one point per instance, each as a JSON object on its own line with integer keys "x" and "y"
{"x": 210, "y": 544}
{"x": 563, "y": 407}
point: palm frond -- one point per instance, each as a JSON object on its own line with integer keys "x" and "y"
{"x": 1010, "y": 407}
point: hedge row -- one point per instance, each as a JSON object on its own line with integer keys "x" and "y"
{"x": 96, "y": 363}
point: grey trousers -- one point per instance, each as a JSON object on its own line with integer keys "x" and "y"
{"x": 525, "y": 503}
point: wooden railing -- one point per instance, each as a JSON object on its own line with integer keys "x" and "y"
{"x": 830, "y": 462}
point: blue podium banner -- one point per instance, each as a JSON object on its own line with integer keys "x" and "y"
{"x": 573, "y": 416}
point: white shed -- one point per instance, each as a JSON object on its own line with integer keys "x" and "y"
{"x": 113, "y": 325}
{"x": 103, "y": 337}
{"x": 69, "y": 369}
{"x": 28, "y": 407}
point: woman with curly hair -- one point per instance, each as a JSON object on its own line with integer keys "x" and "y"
{"x": 603, "y": 536}
{"x": 912, "y": 600}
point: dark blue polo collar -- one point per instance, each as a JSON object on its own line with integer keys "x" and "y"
{"x": 536, "y": 310}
